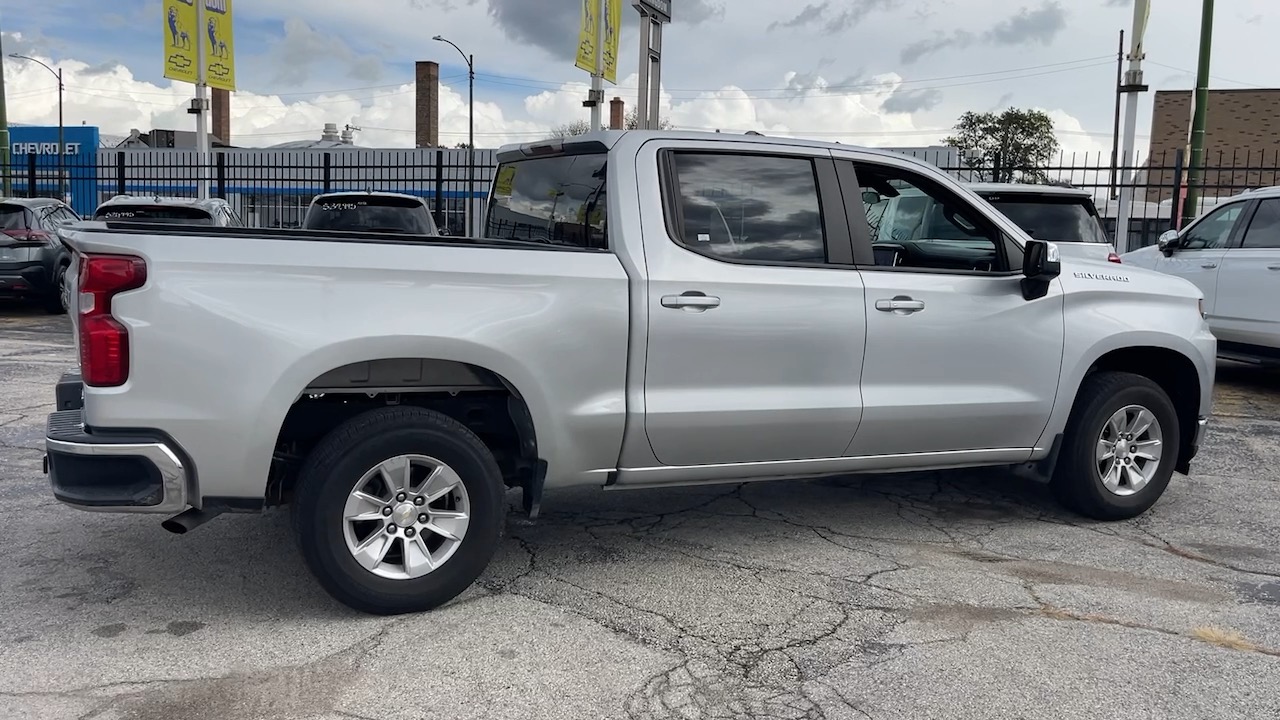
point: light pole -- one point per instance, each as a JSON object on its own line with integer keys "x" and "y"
{"x": 471, "y": 132}
{"x": 62, "y": 145}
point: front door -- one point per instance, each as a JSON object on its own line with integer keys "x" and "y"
{"x": 1198, "y": 254}
{"x": 756, "y": 324}
{"x": 1248, "y": 304}
{"x": 956, "y": 358}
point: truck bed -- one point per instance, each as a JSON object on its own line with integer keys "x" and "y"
{"x": 234, "y": 324}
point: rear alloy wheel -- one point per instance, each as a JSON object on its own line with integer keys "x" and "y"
{"x": 398, "y": 510}
{"x": 1119, "y": 449}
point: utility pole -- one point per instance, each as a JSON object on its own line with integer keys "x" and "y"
{"x": 1133, "y": 86}
{"x": 1199, "y": 110}
{"x": 1115, "y": 133}
{"x": 5, "y": 181}
{"x": 596, "y": 96}
{"x": 200, "y": 106}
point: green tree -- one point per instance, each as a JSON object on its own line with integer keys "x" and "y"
{"x": 1015, "y": 145}
{"x": 631, "y": 121}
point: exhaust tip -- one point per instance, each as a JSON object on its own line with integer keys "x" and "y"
{"x": 189, "y": 519}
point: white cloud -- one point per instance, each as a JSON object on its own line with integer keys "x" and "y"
{"x": 853, "y": 112}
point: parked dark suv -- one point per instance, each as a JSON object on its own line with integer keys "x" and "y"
{"x": 33, "y": 263}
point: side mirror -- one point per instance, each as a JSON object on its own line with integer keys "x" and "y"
{"x": 871, "y": 197}
{"x": 1167, "y": 242}
{"x": 1040, "y": 265}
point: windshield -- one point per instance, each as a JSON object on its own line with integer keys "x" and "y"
{"x": 1066, "y": 219}
{"x": 154, "y": 213}
{"x": 365, "y": 213}
{"x": 556, "y": 200}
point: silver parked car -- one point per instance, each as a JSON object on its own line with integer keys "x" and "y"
{"x": 1232, "y": 253}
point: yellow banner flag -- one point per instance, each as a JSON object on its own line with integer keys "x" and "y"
{"x": 181, "y": 37}
{"x": 181, "y": 34}
{"x": 220, "y": 53}
{"x": 589, "y": 37}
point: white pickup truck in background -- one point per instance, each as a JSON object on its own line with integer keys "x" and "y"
{"x": 645, "y": 309}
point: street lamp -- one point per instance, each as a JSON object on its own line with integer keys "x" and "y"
{"x": 471, "y": 120}
{"x": 62, "y": 145}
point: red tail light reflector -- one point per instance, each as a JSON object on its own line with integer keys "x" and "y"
{"x": 104, "y": 340}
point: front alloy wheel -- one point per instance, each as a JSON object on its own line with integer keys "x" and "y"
{"x": 1129, "y": 450}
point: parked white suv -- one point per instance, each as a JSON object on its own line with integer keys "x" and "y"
{"x": 1232, "y": 253}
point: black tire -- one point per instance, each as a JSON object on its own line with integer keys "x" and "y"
{"x": 1077, "y": 481}
{"x": 53, "y": 302}
{"x": 338, "y": 462}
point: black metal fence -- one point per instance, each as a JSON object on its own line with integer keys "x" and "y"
{"x": 1157, "y": 185}
{"x": 266, "y": 188}
{"x": 272, "y": 188}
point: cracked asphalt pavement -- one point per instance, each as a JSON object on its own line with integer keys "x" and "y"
{"x": 932, "y": 595}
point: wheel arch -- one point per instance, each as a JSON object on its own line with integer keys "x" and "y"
{"x": 1173, "y": 370}
{"x": 401, "y": 365}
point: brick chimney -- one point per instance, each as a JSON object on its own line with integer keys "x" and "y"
{"x": 427, "y": 109}
{"x": 617, "y": 114}
{"x": 221, "y": 103}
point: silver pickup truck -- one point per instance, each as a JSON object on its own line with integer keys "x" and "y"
{"x": 645, "y": 309}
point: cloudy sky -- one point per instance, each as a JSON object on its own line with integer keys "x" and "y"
{"x": 872, "y": 72}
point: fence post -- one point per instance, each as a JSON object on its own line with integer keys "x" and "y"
{"x": 31, "y": 176}
{"x": 121, "y": 186}
{"x": 327, "y": 178}
{"x": 439, "y": 190}
{"x": 1175, "y": 219}
{"x": 222, "y": 175}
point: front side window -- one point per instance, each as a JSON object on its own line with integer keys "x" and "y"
{"x": 749, "y": 207}
{"x": 1214, "y": 230}
{"x": 1264, "y": 229}
{"x": 915, "y": 223}
{"x": 558, "y": 200}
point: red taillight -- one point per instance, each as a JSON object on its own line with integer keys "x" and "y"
{"x": 30, "y": 236}
{"x": 104, "y": 341}
{"x": 1112, "y": 257}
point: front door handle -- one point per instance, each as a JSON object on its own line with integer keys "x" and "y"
{"x": 902, "y": 305}
{"x": 1209, "y": 265}
{"x": 692, "y": 300}
{"x": 1273, "y": 267}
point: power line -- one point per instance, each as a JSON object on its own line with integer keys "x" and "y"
{"x": 1215, "y": 77}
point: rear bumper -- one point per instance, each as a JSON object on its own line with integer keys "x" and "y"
{"x": 32, "y": 279}
{"x": 138, "y": 472}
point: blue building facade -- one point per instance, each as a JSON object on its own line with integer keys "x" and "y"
{"x": 28, "y": 142}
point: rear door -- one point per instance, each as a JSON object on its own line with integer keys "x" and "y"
{"x": 1247, "y": 311}
{"x": 756, "y": 324}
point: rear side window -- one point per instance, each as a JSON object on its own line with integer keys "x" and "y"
{"x": 1264, "y": 229}
{"x": 14, "y": 217}
{"x": 1054, "y": 219}
{"x": 759, "y": 208}
{"x": 559, "y": 200}
{"x": 370, "y": 213}
{"x": 154, "y": 213}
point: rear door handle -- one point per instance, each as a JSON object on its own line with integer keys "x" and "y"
{"x": 1273, "y": 267}
{"x": 692, "y": 300}
{"x": 902, "y": 305}
{"x": 1209, "y": 265}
